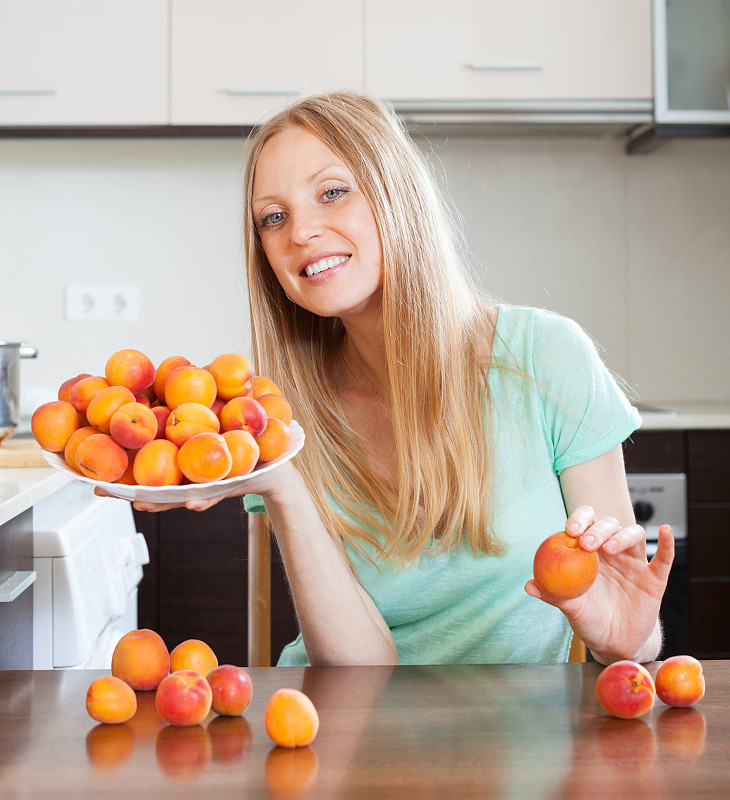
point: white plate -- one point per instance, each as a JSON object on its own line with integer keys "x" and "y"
{"x": 182, "y": 493}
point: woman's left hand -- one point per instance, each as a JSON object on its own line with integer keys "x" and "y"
{"x": 617, "y": 617}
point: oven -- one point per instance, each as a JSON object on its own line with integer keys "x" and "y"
{"x": 88, "y": 557}
{"x": 661, "y": 498}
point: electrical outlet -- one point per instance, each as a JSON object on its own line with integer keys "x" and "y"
{"x": 102, "y": 302}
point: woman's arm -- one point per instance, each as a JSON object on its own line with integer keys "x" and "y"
{"x": 618, "y": 617}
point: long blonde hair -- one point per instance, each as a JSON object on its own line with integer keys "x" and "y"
{"x": 434, "y": 325}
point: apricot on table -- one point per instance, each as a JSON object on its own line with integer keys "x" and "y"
{"x": 83, "y": 391}
{"x": 133, "y": 425}
{"x": 130, "y": 368}
{"x": 680, "y": 682}
{"x": 193, "y": 654}
{"x": 53, "y": 423}
{"x": 291, "y": 720}
{"x": 562, "y": 568}
{"x": 244, "y": 452}
{"x": 190, "y": 385}
{"x": 110, "y": 700}
{"x": 105, "y": 403}
{"x": 625, "y": 689}
{"x": 276, "y": 406}
{"x": 243, "y": 414}
{"x": 233, "y": 375}
{"x": 188, "y": 419}
{"x": 232, "y": 689}
{"x": 184, "y": 697}
{"x": 156, "y": 464}
{"x": 166, "y": 366}
{"x": 275, "y": 439}
{"x": 101, "y": 458}
{"x": 205, "y": 457}
{"x": 141, "y": 659}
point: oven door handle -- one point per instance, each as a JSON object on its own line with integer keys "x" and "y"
{"x": 15, "y": 585}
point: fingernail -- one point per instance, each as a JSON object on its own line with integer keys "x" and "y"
{"x": 572, "y": 526}
{"x": 588, "y": 539}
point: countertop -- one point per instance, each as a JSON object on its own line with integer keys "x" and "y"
{"x": 686, "y": 416}
{"x": 24, "y": 487}
{"x": 473, "y": 731}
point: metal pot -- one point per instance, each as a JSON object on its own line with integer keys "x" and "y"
{"x": 10, "y": 355}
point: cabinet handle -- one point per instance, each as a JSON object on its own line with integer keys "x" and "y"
{"x": 15, "y": 585}
{"x": 10, "y": 91}
{"x": 493, "y": 66}
{"x": 253, "y": 91}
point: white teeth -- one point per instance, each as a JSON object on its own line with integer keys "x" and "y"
{"x": 325, "y": 263}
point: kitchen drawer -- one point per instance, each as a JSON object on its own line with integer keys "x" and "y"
{"x": 708, "y": 466}
{"x": 710, "y": 614}
{"x": 655, "y": 451}
{"x": 709, "y": 541}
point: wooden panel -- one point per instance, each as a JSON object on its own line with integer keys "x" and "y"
{"x": 710, "y": 614}
{"x": 708, "y": 459}
{"x": 655, "y": 451}
{"x": 709, "y": 553}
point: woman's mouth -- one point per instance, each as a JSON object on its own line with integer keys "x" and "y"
{"x": 323, "y": 264}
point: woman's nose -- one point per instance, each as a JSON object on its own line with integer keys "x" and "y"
{"x": 305, "y": 224}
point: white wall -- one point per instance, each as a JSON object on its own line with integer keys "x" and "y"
{"x": 633, "y": 247}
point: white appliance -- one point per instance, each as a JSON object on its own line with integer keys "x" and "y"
{"x": 88, "y": 559}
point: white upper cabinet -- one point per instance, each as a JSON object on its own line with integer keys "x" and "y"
{"x": 83, "y": 62}
{"x": 522, "y": 50}
{"x": 234, "y": 63}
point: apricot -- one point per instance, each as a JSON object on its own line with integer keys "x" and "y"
{"x": 184, "y": 697}
{"x": 274, "y": 441}
{"x": 276, "y": 406}
{"x": 188, "y": 419}
{"x": 679, "y": 681}
{"x": 291, "y": 720}
{"x": 562, "y": 568}
{"x": 105, "y": 403}
{"x": 243, "y": 414}
{"x": 244, "y": 452}
{"x": 183, "y": 752}
{"x": 205, "y": 457}
{"x": 142, "y": 398}
{"x": 233, "y": 375}
{"x": 161, "y": 415}
{"x": 130, "y": 368}
{"x": 625, "y": 689}
{"x": 263, "y": 385}
{"x": 83, "y": 391}
{"x": 133, "y": 425}
{"x": 99, "y": 457}
{"x": 156, "y": 464}
{"x": 64, "y": 390}
{"x": 163, "y": 371}
{"x": 78, "y": 436}
{"x": 230, "y": 737}
{"x": 110, "y": 700}
{"x": 141, "y": 659}
{"x": 190, "y": 385}
{"x": 232, "y": 690}
{"x": 53, "y": 423}
{"x": 193, "y": 654}
{"x": 127, "y": 477}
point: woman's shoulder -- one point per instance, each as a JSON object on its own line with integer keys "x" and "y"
{"x": 526, "y": 328}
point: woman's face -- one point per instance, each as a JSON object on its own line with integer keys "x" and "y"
{"x": 316, "y": 227}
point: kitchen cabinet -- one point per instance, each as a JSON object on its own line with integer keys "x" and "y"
{"x": 234, "y": 63}
{"x": 16, "y": 612}
{"x": 524, "y": 50}
{"x": 83, "y": 62}
{"x": 196, "y": 583}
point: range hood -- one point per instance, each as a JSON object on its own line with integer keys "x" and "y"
{"x": 612, "y": 119}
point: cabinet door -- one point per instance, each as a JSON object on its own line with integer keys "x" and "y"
{"x": 83, "y": 62}
{"x": 234, "y": 63}
{"x": 521, "y": 50}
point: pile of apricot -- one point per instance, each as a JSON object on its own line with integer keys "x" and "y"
{"x": 189, "y": 683}
{"x": 163, "y": 426}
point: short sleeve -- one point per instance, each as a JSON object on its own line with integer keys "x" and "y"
{"x": 586, "y": 412}
{"x": 254, "y": 504}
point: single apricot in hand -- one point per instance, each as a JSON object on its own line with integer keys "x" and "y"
{"x": 291, "y": 719}
{"x": 141, "y": 659}
{"x": 625, "y": 689}
{"x": 110, "y": 700}
{"x": 562, "y": 568}
{"x": 193, "y": 654}
{"x": 679, "y": 681}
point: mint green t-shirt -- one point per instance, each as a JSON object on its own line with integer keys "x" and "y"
{"x": 455, "y": 607}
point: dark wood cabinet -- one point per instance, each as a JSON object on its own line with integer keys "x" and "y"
{"x": 196, "y": 584}
{"x": 704, "y": 456}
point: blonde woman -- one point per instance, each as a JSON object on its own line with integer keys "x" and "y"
{"x": 447, "y": 436}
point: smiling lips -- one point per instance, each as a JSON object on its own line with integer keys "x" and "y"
{"x": 323, "y": 264}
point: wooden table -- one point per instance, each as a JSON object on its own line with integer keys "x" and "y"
{"x": 403, "y": 732}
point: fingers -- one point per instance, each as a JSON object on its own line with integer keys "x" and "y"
{"x": 662, "y": 561}
{"x": 606, "y": 533}
{"x": 580, "y": 520}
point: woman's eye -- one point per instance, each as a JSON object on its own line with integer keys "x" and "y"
{"x": 335, "y": 194}
{"x": 271, "y": 220}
